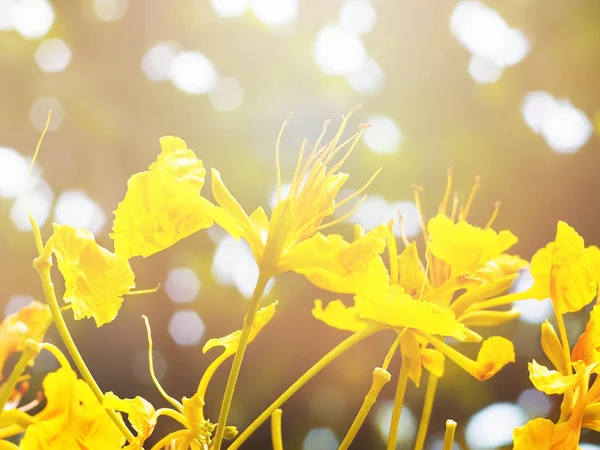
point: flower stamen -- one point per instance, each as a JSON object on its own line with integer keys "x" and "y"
{"x": 494, "y": 215}
{"x": 444, "y": 203}
{"x": 277, "y": 151}
{"x": 474, "y": 189}
{"x": 417, "y": 190}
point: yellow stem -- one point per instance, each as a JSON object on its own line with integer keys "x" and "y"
{"x": 276, "y": 430}
{"x": 427, "y": 407}
{"x": 160, "y": 445}
{"x": 60, "y": 356}
{"x": 567, "y": 403}
{"x": 392, "y": 350}
{"x": 308, "y": 375}
{"x": 497, "y": 301}
{"x": 43, "y": 266}
{"x": 261, "y": 284}
{"x": 29, "y": 352}
{"x": 449, "y": 436}
{"x": 398, "y": 402}
{"x": 168, "y": 412}
{"x": 380, "y": 378}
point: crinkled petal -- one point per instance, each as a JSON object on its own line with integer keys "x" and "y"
{"x": 140, "y": 413}
{"x": 95, "y": 278}
{"x": 551, "y": 381}
{"x": 494, "y": 354}
{"x": 30, "y": 322}
{"x": 398, "y": 309}
{"x": 588, "y": 345}
{"x": 464, "y": 247}
{"x": 163, "y": 204}
{"x": 72, "y": 419}
{"x": 338, "y": 315}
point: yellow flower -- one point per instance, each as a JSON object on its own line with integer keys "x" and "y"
{"x": 466, "y": 270}
{"x": 30, "y": 322}
{"x": 163, "y": 204}
{"x": 565, "y": 271}
{"x": 72, "y": 418}
{"x": 299, "y": 217}
{"x": 95, "y": 278}
{"x": 140, "y": 413}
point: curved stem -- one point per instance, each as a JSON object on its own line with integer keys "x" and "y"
{"x": 209, "y": 372}
{"x": 276, "y": 430}
{"x": 173, "y": 415}
{"x": 259, "y": 289}
{"x": 427, "y": 407}
{"x": 397, "y": 409}
{"x": 380, "y": 378}
{"x": 308, "y": 375}
{"x": 43, "y": 265}
{"x": 168, "y": 438}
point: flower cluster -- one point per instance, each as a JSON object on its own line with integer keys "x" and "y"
{"x": 432, "y": 297}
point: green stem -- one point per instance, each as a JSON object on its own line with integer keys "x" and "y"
{"x": 43, "y": 266}
{"x": 427, "y": 408}
{"x": 308, "y": 375}
{"x": 398, "y": 402}
{"x": 29, "y": 352}
{"x": 380, "y": 378}
{"x": 259, "y": 289}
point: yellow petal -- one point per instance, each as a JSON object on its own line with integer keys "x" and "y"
{"x": 488, "y": 318}
{"x": 230, "y": 342}
{"x": 233, "y": 218}
{"x": 411, "y": 277}
{"x": 95, "y": 278}
{"x": 550, "y": 381}
{"x": 594, "y": 254}
{"x": 478, "y": 293}
{"x": 72, "y": 418}
{"x": 506, "y": 264}
{"x": 573, "y": 275}
{"x": 140, "y": 413}
{"x": 163, "y": 204}
{"x": 398, "y": 309}
{"x": 494, "y": 354}
{"x": 333, "y": 264}
{"x": 541, "y": 264}
{"x": 433, "y": 361}
{"x": 535, "y": 434}
{"x": 338, "y": 315}
{"x": 587, "y": 347}
{"x": 553, "y": 348}
{"x": 464, "y": 247}
{"x": 411, "y": 356}
{"x": 30, "y": 322}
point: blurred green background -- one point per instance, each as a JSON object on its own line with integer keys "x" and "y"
{"x": 507, "y": 90}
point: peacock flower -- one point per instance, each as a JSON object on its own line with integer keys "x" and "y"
{"x": 72, "y": 418}
{"x": 30, "y": 322}
{"x": 276, "y": 241}
{"x": 466, "y": 272}
{"x": 567, "y": 272}
{"x": 140, "y": 413}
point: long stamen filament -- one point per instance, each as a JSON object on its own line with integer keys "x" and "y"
{"x": 447, "y": 192}
{"x": 432, "y": 381}
{"x": 417, "y": 190}
{"x": 298, "y": 165}
{"x": 398, "y": 402}
{"x": 449, "y": 435}
{"x": 474, "y": 190}
{"x": 277, "y": 156}
{"x": 393, "y": 253}
{"x": 276, "y": 430}
{"x": 494, "y": 215}
{"x": 166, "y": 396}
